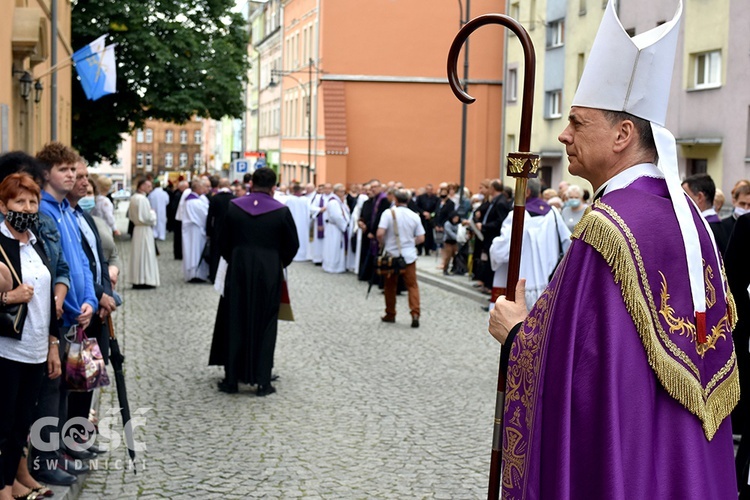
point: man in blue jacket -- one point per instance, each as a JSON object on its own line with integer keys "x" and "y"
{"x": 58, "y": 163}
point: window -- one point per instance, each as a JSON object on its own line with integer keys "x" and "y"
{"x": 139, "y": 160}
{"x": 697, "y": 166}
{"x": 197, "y": 159}
{"x": 149, "y": 135}
{"x": 169, "y": 136}
{"x": 169, "y": 160}
{"x": 579, "y": 68}
{"x": 553, "y": 103}
{"x": 183, "y": 136}
{"x": 707, "y": 69}
{"x": 139, "y": 135}
{"x": 198, "y": 136}
{"x": 183, "y": 160}
{"x": 512, "y": 85}
{"x": 555, "y": 33}
{"x": 149, "y": 161}
{"x": 515, "y": 11}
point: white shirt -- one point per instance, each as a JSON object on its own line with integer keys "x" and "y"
{"x": 409, "y": 227}
{"x": 33, "y": 346}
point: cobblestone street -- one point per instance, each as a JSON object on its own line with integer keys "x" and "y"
{"x": 363, "y": 409}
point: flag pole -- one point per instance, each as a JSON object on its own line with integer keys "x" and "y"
{"x": 521, "y": 165}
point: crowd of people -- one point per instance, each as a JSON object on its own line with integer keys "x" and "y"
{"x": 59, "y": 258}
{"x": 59, "y": 270}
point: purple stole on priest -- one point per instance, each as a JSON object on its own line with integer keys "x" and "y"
{"x": 321, "y": 226}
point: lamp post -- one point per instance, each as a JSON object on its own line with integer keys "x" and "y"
{"x": 307, "y": 110}
{"x": 308, "y": 99}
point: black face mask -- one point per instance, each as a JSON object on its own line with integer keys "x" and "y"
{"x": 21, "y": 221}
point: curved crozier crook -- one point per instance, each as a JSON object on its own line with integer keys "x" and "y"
{"x": 529, "y": 67}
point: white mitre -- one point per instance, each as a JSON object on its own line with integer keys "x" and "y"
{"x": 634, "y": 75}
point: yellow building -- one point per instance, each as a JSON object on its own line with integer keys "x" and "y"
{"x": 28, "y": 116}
{"x": 709, "y": 102}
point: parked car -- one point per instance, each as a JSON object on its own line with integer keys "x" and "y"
{"x": 122, "y": 194}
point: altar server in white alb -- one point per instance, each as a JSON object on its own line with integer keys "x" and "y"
{"x": 302, "y": 213}
{"x": 319, "y": 204}
{"x": 545, "y": 239}
{"x": 335, "y": 244}
{"x": 144, "y": 269}
{"x": 194, "y": 267}
{"x": 355, "y": 233}
{"x": 159, "y": 199}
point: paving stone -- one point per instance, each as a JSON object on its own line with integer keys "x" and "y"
{"x": 363, "y": 409}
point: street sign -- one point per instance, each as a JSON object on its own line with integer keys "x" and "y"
{"x": 241, "y": 166}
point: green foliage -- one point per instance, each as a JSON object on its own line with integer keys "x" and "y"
{"x": 175, "y": 59}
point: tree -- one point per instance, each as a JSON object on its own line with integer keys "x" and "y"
{"x": 175, "y": 59}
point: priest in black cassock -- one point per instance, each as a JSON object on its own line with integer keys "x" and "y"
{"x": 258, "y": 240}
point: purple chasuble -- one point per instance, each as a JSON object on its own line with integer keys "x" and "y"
{"x": 191, "y": 196}
{"x": 321, "y": 226}
{"x": 537, "y": 206}
{"x": 256, "y": 203}
{"x": 609, "y": 394}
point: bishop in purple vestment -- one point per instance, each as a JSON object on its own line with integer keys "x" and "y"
{"x": 621, "y": 377}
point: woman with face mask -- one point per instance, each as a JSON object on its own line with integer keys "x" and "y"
{"x": 574, "y": 206}
{"x": 29, "y": 348}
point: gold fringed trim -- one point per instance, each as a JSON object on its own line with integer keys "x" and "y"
{"x": 609, "y": 241}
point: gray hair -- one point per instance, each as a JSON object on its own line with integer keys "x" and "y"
{"x": 574, "y": 190}
{"x": 534, "y": 186}
{"x": 402, "y": 195}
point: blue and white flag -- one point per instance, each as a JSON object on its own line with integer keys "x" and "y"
{"x": 96, "y": 68}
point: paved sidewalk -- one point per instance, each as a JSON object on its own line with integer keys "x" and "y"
{"x": 363, "y": 409}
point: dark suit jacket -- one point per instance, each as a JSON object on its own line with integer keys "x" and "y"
{"x": 498, "y": 210}
{"x": 217, "y": 211}
{"x": 106, "y": 285}
{"x": 720, "y": 235}
{"x": 13, "y": 250}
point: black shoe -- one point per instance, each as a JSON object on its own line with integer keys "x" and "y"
{"x": 57, "y": 477}
{"x": 227, "y": 387}
{"x": 265, "y": 390}
{"x": 485, "y": 308}
{"x": 95, "y": 449}
{"x": 143, "y": 287}
{"x": 80, "y": 453}
{"x": 196, "y": 280}
{"x": 274, "y": 378}
{"x": 72, "y": 466}
{"x": 415, "y": 321}
{"x": 387, "y": 319}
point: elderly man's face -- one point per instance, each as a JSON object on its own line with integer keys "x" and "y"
{"x": 588, "y": 142}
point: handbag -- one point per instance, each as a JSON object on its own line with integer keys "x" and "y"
{"x": 385, "y": 264}
{"x": 12, "y": 316}
{"x": 85, "y": 370}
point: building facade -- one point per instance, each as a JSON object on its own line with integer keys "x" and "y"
{"x": 29, "y": 115}
{"x": 359, "y": 91}
{"x": 121, "y": 172}
{"x": 161, "y": 147}
{"x": 709, "y": 108}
